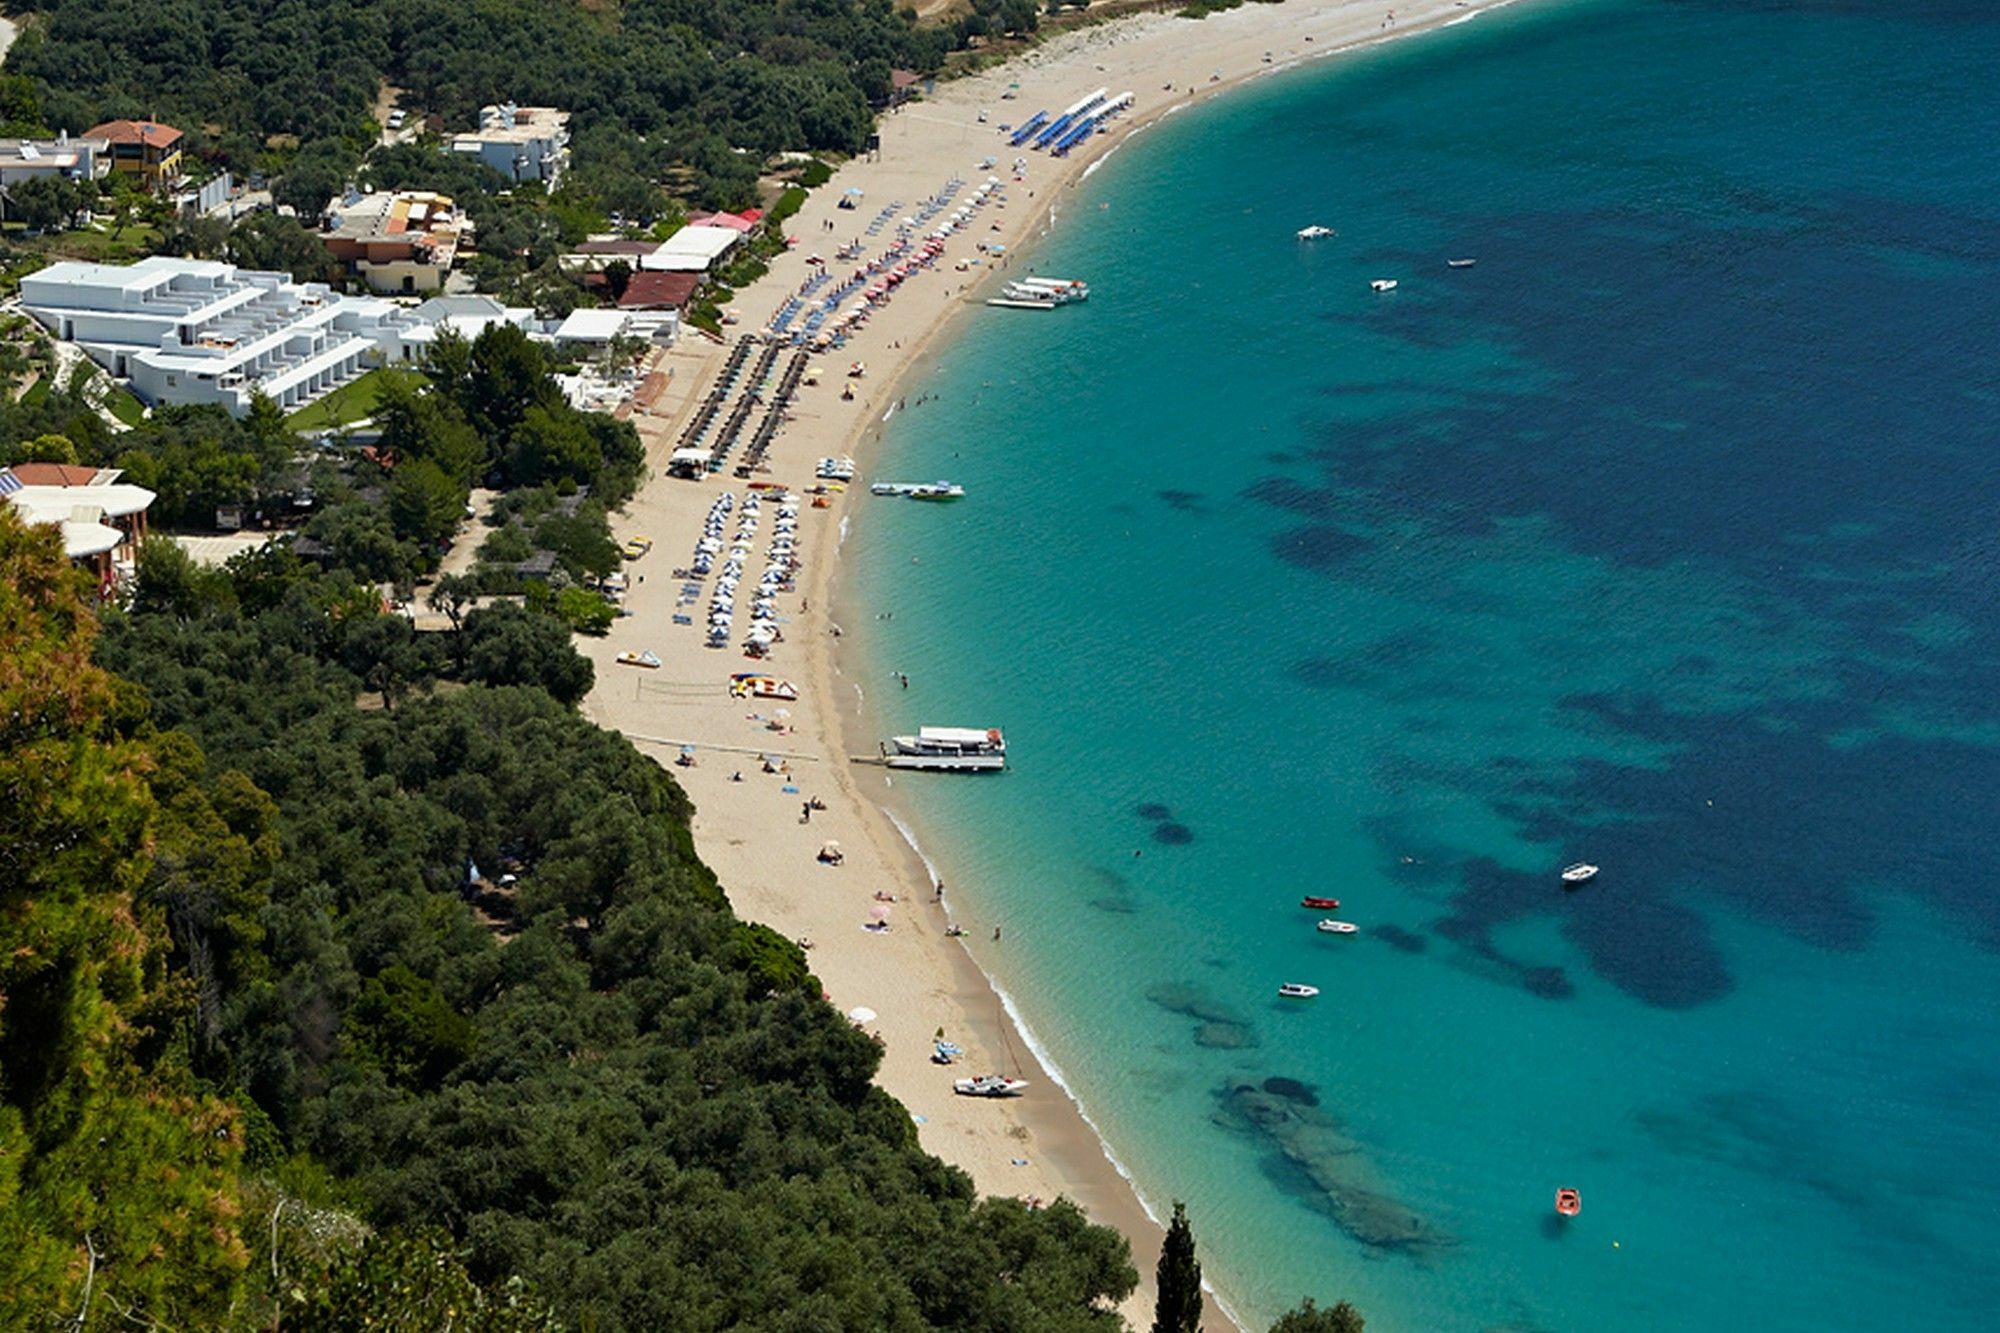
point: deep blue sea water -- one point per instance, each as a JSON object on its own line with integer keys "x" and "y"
{"x": 1668, "y": 536}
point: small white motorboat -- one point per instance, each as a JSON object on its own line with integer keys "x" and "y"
{"x": 1332, "y": 927}
{"x": 1461, "y": 263}
{"x": 1316, "y": 232}
{"x": 1294, "y": 990}
{"x": 989, "y": 1085}
{"x": 1383, "y": 284}
{"x": 1580, "y": 873}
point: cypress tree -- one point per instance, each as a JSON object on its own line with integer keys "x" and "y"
{"x": 1178, "y": 1309}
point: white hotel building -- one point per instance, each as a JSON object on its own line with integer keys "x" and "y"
{"x": 192, "y": 331}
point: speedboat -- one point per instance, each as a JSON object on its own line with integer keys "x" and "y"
{"x": 1315, "y": 232}
{"x": 989, "y": 1085}
{"x": 1324, "y": 904}
{"x": 1461, "y": 263}
{"x": 1580, "y": 873}
{"x": 1568, "y": 1202}
{"x": 1383, "y": 284}
{"x": 1333, "y": 927}
{"x": 937, "y": 490}
{"x": 1294, "y": 990}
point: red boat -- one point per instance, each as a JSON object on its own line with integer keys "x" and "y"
{"x": 1319, "y": 904}
{"x": 1568, "y": 1202}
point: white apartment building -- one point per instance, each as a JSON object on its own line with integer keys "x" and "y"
{"x": 522, "y": 143}
{"x": 192, "y": 331}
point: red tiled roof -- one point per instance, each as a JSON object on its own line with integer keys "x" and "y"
{"x": 904, "y": 78}
{"x": 149, "y": 132}
{"x": 659, "y": 291}
{"x": 734, "y": 221}
{"x": 54, "y": 474}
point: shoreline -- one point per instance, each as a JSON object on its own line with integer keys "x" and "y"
{"x": 752, "y": 836}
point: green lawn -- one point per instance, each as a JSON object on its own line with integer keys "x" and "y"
{"x": 124, "y": 406}
{"x": 135, "y": 242}
{"x": 351, "y": 402}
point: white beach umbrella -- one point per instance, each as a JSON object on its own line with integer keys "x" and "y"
{"x": 861, "y": 1014}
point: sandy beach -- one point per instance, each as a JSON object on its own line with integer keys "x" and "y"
{"x": 752, "y": 826}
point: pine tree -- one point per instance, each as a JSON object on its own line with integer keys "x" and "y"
{"x": 1178, "y": 1309}
{"x": 1312, "y": 1318}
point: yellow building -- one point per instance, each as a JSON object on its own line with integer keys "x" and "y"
{"x": 146, "y": 147}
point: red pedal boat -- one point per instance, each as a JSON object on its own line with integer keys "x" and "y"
{"x": 1320, "y": 904}
{"x": 1568, "y": 1202}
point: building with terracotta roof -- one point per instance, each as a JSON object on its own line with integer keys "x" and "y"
{"x": 102, "y": 518}
{"x": 397, "y": 241}
{"x": 146, "y": 147}
{"x": 743, "y": 223}
{"x": 660, "y": 291}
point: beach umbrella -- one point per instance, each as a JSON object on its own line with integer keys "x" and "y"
{"x": 880, "y": 911}
{"x": 826, "y": 848}
{"x": 861, "y": 1013}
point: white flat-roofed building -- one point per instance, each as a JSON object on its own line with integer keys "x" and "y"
{"x": 192, "y": 331}
{"x": 522, "y": 143}
{"x": 77, "y": 159}
{"x": 469, "y": 316}
{"x": 692, "y": 249}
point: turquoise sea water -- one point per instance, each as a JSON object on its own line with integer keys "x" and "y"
{"x": 1665, "y": 536}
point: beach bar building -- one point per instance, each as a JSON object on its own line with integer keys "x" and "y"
{"x": 692, "y": 249}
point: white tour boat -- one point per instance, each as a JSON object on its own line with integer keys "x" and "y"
{"x": 919, "y": 490}
{"x": 989, "y": 1085}
{"x": 1383, "y": 284}
{"x": 1316, "y": 232}
{"x": 1580, "y": 873}
{"x": 973, "y": 749}
{"x": 1294, "y": 990}
{"x": 1063, "y": 289}
{"x": 1332, "y": 927}
{"x": 1461, "y": 263}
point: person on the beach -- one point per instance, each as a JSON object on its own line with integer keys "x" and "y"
{"x": 806, "y": 815}
{"x": 996, "y": 934}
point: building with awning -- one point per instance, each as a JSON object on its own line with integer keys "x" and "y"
{"x": 102, "y": 518}
{"x": 692, "y": 250}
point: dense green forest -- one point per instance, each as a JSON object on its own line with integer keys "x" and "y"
{"x": 346, "y": 969}
{"x": 448, "y": 969}
{"x": 649, "y": 82}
